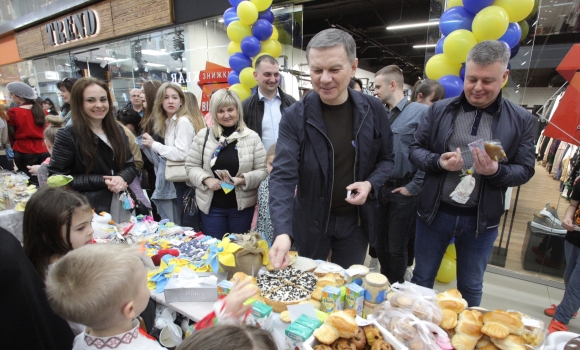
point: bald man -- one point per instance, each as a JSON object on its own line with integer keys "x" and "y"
{"x": 136, "y": 101}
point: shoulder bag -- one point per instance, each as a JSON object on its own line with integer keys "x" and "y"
{"x": 189, "y": 203}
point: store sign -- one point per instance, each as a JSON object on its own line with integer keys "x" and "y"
{"x": 77, "y": 26}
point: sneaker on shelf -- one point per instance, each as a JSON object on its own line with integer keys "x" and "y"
{"x": 408, "y": 274}
{"x": 374, "y": 264}
{"x": 552, "y": 310}
{"x": 548, "y": 262}
{"x": 546, "y": 224}
{"x": 556, "y": 326}
{"x": 551, "y": 213}
{"x": 538, "y": 251}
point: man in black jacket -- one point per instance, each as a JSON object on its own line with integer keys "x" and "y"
{"x": 263, "y": 110}
{"x": 334, "y": 152}
{"x": 441, "y": 150}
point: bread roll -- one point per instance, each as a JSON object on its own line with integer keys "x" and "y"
{"x": 325, "y": 334}
{"x": 451, "y": 300}
{"x": 499, "y": 324}
{"x": 342, "y": 344}
{"x": 449, "y": 320}
{"x": 360, "y": 339}
{"x": 495, "y": 152}
{"x": 468, "y": 330}
{"x": 402, "y": 300}
{"x": 285, "y": 316}
{"x": 343, "y": 322}
{"x": 511, "y": 342}
{"x": 239, "y": 276}
{"x": 372, "y": 333}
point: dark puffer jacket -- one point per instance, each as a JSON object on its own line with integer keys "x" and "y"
{"x": 254, "y": 110}
{"x": 304, "y": 161}
{"x": 512, "y": 125}
{"x": 66, "y": 159}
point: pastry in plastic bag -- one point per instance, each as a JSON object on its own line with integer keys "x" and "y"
{"x": 451, "y": 300}
{"x": 499, "y": 324}
{"x": 495, "y": 151}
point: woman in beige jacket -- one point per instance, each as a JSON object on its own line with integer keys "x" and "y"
{"x": 226, "y": 203}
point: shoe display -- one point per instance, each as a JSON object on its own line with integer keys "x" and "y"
{"x": 556, "y": 326}
{"x": 548, "y": 262}
{"x": 551, "y": 213}
{"x": 552, "y": 310}
{"x": 538, "y": 251}
{"x": 544, "y": 223}
{"x": 408, "y": 274}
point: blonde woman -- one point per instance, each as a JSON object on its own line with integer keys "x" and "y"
{"x": 228, "y": 145}
{"x": 172, "y": 120}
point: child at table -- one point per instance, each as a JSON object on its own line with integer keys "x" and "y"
{"x": 41, "y": 170}
{"x": 263, "y": 222}
{"x": 56, "y": 221}
{"x": 229, "y": 337}
{"x": 104, "y": 286}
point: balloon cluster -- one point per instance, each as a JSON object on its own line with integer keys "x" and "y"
{"x": 448, "y": 269}
{"x": 250, "y": 29}
{"x": 467, "y": 22}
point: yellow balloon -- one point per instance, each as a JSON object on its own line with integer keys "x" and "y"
{"x": 517, "y": 10}
{"x": 453, "y": 3}
{"x": 451, "y": 251}
{"x": 272, "y": 47}
{"x": 447, "y": 271}
{"x": 274, "y": 33}
{"x": 242, "y": 91}
{"x": 247, "y": 12}
{"x": 237, "y": 31}
{"x": 256, "y": 58}
{"x": 234, "y": 47}
{"x": 439, "y": 65}
{"x": 490, "y": 23}
{"x": 247, "y": 78}
{"x": 457, "y": 45}
{"x": 261, "y": 5}
{"x": 505, "y": 82}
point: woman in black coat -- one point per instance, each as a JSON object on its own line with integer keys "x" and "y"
{"x": 94, "y": 150}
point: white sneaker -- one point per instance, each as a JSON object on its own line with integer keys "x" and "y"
{"x": 374, "y": 264}
{"x": 551, "y": 213}
{"x": 408, "y": 274}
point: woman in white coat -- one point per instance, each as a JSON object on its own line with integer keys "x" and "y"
{"x": 228, "y": 145}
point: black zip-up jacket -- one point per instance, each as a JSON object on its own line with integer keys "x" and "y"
{"x": 512, "y": 125}
{"x": 66, "y": 159}
{"x": 304, "y": 158}
{"x": 254, "y": 110}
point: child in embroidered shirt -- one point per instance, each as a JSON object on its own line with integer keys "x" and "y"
{"x": 264, "y": 224}
{"x": 41, "y": 170}
{"x": 103, "y": 286}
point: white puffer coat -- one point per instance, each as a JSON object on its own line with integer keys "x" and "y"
{"x": 252, "y": 158}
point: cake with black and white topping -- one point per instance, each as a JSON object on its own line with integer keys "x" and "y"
{"x": 289, "y": 286}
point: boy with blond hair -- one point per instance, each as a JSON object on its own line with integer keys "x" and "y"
{"x": 103, "y": 286}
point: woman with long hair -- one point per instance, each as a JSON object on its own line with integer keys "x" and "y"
{"x": 228, "y": 145}
{"x": 49, "y": 106}
{"x": 94, "y": 149}
{"x": 65, "y": 87}
{"x": 26, "y": 124}
{"x": 173, "y": 120}
{"x": 427, "y": 92}
{"x": 149, "y": 92}
{"x": 192, "y": 108}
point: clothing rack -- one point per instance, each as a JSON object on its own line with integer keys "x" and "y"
{"x": 541, "y": 110}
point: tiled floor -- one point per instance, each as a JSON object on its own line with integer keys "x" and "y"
{"x": 502, "y": 292}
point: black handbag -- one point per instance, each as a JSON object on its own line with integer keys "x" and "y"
{"x": 140, "y": 208}
{"x": 189, "y": 202}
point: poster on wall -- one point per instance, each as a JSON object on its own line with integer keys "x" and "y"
{"x": 214, "y": 77}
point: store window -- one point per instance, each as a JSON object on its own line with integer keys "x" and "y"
{"x": 527, "y": 244}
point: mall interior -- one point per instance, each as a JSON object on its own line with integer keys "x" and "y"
{"x": 176, "y": 40}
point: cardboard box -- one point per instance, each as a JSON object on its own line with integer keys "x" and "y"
{"x": 296, "y": 336}
{"x": 355, "y": 297}
{"x": 261, "y": 316}
{"x": 178, "y": 291}
{"x": 224, "y": 287}
{"x": 309, "y": 322}
{"x": 330, "y": 299}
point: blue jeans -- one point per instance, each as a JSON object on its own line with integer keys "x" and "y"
{"x": 473, "y": 251}
{"x": 571, "y": 301}
{"x": 220, "y": 221}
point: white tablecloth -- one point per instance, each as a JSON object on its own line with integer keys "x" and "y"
{"x": 12, "y": 220}
{"x": 197, "y": 311}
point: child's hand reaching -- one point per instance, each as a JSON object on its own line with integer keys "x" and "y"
{"x": 240, "y": 292}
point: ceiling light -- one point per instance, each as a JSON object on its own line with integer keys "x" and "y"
{"x": 153, "y": 52}
{"x": 155, "y": 65}
{"x": 563, "y": 4}
{"x": 221, "y": 20}
{"x": 413, "y": 25}
{"x": 423, "y": 46}
{"x": 109, "y": 58}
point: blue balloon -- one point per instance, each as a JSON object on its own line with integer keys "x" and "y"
{"x": 251, "y": 46}
{"x": 462, "y": 71}
{"x": 474, "y": 6}
{"x": 439, "y": 46}
{"x": 514, "y": 51}
{"x": 239, "y": 61}
{"x": 235, "y": 3}
{"x": 230, "y": 15}
{"x": 233, "y": 78}
{"x": 512, "y": 35}
{"x": 509, "y": 65}
{"x": 267, "y": 15}
{"x": 455, "y": 18}
{"x": 452, "y": 84}
{"x": 262, "y": 29}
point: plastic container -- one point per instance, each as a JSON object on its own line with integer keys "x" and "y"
{"x": 356, "y": 274}
{"x": 375, "y": 286}
{"x": 368, "y": 309}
